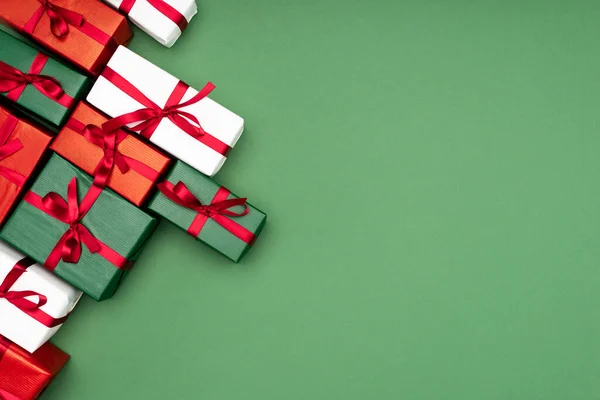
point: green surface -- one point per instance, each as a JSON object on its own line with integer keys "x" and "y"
{"x": 430, "y": 170}
{"x": 115, "y": 222}
{"x": 20, "y": 55}
{"x": 212, "y": 233}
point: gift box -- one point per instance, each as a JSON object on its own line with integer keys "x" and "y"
{"x": 208, "y": 211}
{"x": 164, "y": 20}
{"x": 86, "y": 235}
{"x": 85, "y": 32}
{"x": 120, "y": 160}
{"x": 33, "y": 302}
{"x": 37, "y": 83}
{"x": 21, "y": 147}
{"x": 24, "y": 376}
{"x": 175, "y": 117}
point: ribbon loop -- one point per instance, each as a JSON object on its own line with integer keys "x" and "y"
{"x": 107, "y": 141}
{"x": 70, "y": 213}
{"x": 9, "y": 148}
{"x": 60, "y": 18}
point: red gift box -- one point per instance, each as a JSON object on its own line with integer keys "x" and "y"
{"x": 21, "y": 147}
{"x": 85, "y": 32}
{"x": 23, "y": 376}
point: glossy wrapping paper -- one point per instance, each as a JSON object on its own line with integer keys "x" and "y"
{"x": 212, "y": 233}
{"x": 164, "y": 20}
{"x": 23, "y": 162}
{"x": 22, "y": 56}
{"x": 121, "y": 227}
{"x": 135, "y": 184}
{"x": 30, "y": 329}
{"x": 89, "y": 45}
{"x": 24, "y": 376}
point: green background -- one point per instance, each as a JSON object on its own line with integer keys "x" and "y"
{"x": 430, "y": 170}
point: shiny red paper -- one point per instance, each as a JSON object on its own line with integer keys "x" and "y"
{"x": 24, "y": 376}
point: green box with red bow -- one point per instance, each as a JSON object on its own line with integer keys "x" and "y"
{"x": 40, "y": 85}
{"x": 86, "y": 235}
{"x": 208, "y": 211}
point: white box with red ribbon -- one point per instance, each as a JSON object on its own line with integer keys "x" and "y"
{"x": 147, "y": 100}
{"x": 164, "y": 20}
{"x": 34, "y": 303}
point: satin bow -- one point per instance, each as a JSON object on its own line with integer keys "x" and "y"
{"x": 149, "y": 118}
{"x": 107, "y": 141}
{"x": 11, "y": 78}
{"x": 60, "y": 18}
{"x": 181, "y": 195}
{"x": 18, "y": 298}
{"x": 70, "y": 213}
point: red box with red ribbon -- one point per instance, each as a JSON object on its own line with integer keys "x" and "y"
{"x": 24, "y": 376}
{"x": 21, "y": 147}
{"x": 117, "y": 159}
{"x": 86, "y": 32}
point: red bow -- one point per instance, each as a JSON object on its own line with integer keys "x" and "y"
{"x": 68, "y": 247}
{"x": 11, "y": 79}
{"x": 218, "y": 210}
{"x": 150, "y": 117}
{"x": 60, "y": 18}
{"x": 107, "y": 141}
{"x": 181, "y": 195}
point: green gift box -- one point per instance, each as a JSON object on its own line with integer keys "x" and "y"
{"x": 40, "y": 85}
{"x": 208, "y": 211}
{"x": 63, "y": 213}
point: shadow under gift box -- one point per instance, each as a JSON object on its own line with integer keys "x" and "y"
{"x": 88, "y": 44}
{"x": 130, "y": 83}
{"x": 24, "y": 58}
{"x": 213, "y": 233}
{"x": 31, "y": 328}
{"x": 24, "y": 376}
{"x": 14, "y": 131}
{"x": 164, "y": 20}
{"x": 117, "y": 224}
{"x": 146, "y": 164}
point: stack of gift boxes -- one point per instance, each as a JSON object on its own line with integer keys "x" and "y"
{"x": 95, "y": 141}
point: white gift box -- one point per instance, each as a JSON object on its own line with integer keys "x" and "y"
{"x": 18, "y": 326}
{"x": 157, "y": 85}
{"x": 155, "y": 23}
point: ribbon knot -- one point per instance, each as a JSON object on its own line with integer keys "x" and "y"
{"x": 60, "y": 18}
{"x": 70, "y": 213}
{"x": 14, "y": 79}
{"x": 147, "y": 119}
{"x": 107, "y": 141}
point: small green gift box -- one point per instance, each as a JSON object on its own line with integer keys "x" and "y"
{"x": 88, "y": 236}
{"x": 40, "y": 85}
{"x": 208, "y": 211}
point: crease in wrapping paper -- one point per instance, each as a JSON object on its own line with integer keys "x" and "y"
{"x": 86, "y": 155}
{"x": 26, "y": 375}
{"x": 77, "y": 46}
{"x": 212, "y": 233}
{"x": 23, "y": 161}
{"x": 20, "y": 55}
{"x": 112, "y": 220}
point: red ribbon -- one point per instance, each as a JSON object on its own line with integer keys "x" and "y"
{"x": 149, "y": 117}
{"x": 218, "y": 209}
{"x": 60, "y": 19}
{"x": 164, "y": 8}
{"x": 108, "y": 142}
{"x": 15, "y": 81}
{"x": 7, "y": 149}
{"x": 19, "y": 298}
